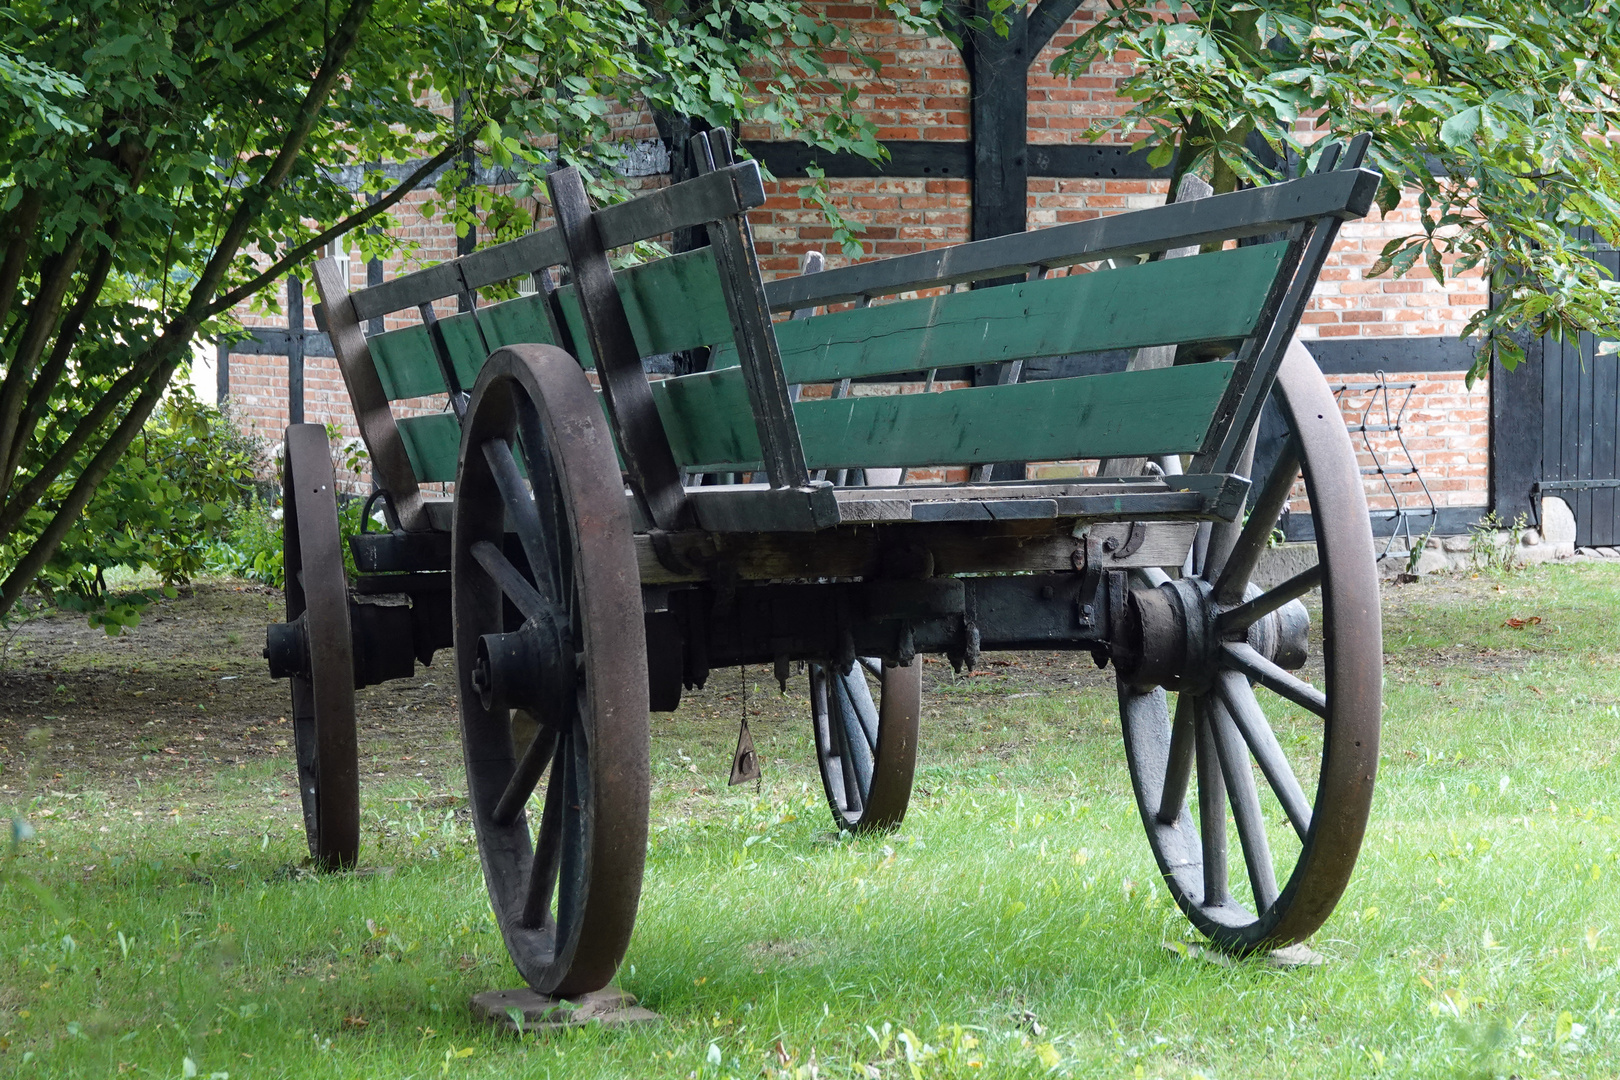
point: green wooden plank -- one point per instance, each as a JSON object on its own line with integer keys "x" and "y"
{"x": 405, "y": 363}
{"x": 1210, "y": 297}
{"x": 408, "y": 368}
{"x": 516, "y": 322}
{"x": 434, "y": 445}
{"x": 1123, "y": 414}
{"x": 672, "y": 304}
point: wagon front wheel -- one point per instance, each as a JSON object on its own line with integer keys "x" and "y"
{"x": 1243, "y": 740}
{"x": 865, "y": 725}
{"x": 552, "y": 664}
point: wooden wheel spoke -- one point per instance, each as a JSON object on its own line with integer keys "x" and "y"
{"x": 1242, "y": 657}
{"x": 1245, "y": 712}
{"x": 860, "y": 696}
{"x": 549, "y": 843}
{"x": 1179, "y": 764}
{"x": 547, "y": 499}
{"x": 510, "y": 580}
{"x": 1245, "y": 800}
{"x": 1238, "y": 566}
{"x": 1250, "y": 612}
{"x": 829, "y": 740}
{"x": 1211, "y": 812}
{"x": 571, "y": 879}
{"x": 521, "y": 511}
{"x": 527, "y": 774}
{"x": 857, "y": 742}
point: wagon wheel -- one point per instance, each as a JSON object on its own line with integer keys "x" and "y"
{"x": 866, "y": 744}
{"x": 317, "y": 588}
{"x": 552, "y": 669}
{"x": 1228, "y": 649}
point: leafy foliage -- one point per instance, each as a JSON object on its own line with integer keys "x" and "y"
{"x": 1502, "y": 114}
{"x": 167, "y": 160}
{"x": 163, "y": 506}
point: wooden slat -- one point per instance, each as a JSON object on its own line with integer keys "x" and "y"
{"x": 672, "y": 304}
{"x": 695, "y": 202}
{"x": 433, "y": 443}
{"x": 517, "y": 322}
{"x": 1204, "y": 298}
{"x": 1126, "y": 413}
{"x": 404, "y": 357}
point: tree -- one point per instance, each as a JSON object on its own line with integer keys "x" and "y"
{"x": 167, "y": 160}
{"x": 1501, "y": 113}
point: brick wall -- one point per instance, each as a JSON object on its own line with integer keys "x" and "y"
{"x": 923, "y": 94}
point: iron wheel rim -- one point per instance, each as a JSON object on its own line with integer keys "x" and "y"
{"x": 866, "y": 743}
{"x": 1226, "y": 735}
{"x": 565, "y": 897}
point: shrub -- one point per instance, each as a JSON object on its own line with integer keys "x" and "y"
{"x": 167, "y": 502}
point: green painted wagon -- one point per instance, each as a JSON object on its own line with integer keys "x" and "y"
{"x": 614, "y": 538}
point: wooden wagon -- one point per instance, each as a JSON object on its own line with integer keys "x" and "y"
{"x": 613, "y": 538}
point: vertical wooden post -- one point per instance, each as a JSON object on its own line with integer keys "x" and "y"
{"x": 222, "y": 374}
{"x": 998, "y": 71}
{"x": 1518, "y": 409}
{"x": 295, "y": 350}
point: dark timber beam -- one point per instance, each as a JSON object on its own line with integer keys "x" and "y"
{"x": 998, "y": 72}
{"x": 931, "y": 159}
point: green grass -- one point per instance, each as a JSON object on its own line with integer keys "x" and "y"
{"x": 1014, "y": 927}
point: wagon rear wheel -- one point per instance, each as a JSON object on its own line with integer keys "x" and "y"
{"x": 317, "y": 589}
{"x": 1244, "y": 739}
{"x": 865, "y": 726}
{"x": 552, "y": 665}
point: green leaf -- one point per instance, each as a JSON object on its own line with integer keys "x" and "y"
{"x": 1460, "y": 128}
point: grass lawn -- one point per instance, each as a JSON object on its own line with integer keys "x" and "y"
{"x": 160, "y": 924}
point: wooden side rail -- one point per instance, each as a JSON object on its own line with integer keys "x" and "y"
{"x": 1345, "y": 194}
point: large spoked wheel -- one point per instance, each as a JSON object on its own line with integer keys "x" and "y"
{"x": 317, "y": 590}
{"x": 552, "y": 662}
{"x": 1245, "y": 739}
{"x": 865, "y": 726}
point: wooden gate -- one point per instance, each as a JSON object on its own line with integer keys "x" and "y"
{"x": 1556, "y": 431}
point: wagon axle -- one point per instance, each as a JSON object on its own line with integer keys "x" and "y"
{"x": 1172, "y": 636}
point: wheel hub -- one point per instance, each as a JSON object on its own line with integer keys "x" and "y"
{"x": 1169, "y": 636}
{"x": 530, "y": 668}
{"x": 286, "y": 646}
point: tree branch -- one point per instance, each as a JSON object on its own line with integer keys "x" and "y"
{"x": 18, "y": 237}
{"x": 43, "y": 314}
{"x": 34, "y": 490}
{"x": 298, "y": 254}
{"x": 341, "y": 44}
{"x": 167, "y": 351}
{"x": 50, "y": 374}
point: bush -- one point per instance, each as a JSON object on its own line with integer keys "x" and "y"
{"x": 252, "y": 549}
{"x": 166, "y": 504}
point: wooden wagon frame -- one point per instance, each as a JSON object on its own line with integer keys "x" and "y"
{"x": 600, "y": 552}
